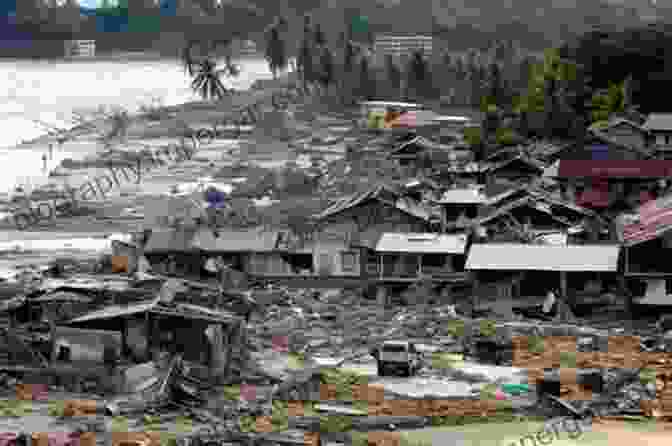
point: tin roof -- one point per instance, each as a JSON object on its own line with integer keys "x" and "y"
{"x": 155, "y": 306}
{"x": 650, "y": 221}
{"x": 615, "y": 122}
{"x": 426, "y": 243}
{"x": 514, "y": 257}
{"x": 658, "y": 121}
{"x": 251, "y": 240}
{"x": 179, "y": 240}
{"x": 383, "y": 193}
{"x": 462, "y": 196}
{"x": 112, "y": 311}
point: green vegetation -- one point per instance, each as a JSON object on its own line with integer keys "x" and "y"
{"x": 231, "y": 393}
{"x": 279, "y": 416}
{"x": 456, "y": 328}
{"x": 55, "y": 408}
{"x": 15, "y": 408}
{"x": 184, "y": 424}
{"x": 507, "y": 137}
{"x": 647, "y": 376}
{"x": 487, "y": 329}
{"x": 606, "y": 103}
{"x": 335, "y": 423}
{"x": 506, "y": 415}
{"x": 119, "y": 424}
{"x": 361, "y": 439}
{"x": 247, "y": 423}
{"x": 296, "y": 361}
{"x": 535, "y": 344}
{"x": 343, "y": 381}
{"x": 568, "y": 360}
{"x": 473, "y": 135}
{"x": 445, "y": 361}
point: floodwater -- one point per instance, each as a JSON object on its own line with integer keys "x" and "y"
{"x": 39, "y": 96}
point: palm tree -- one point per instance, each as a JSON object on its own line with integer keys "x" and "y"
{"x": 326, "y": 68}
{"x": 207, "y": 81}
{"x": 417, "y": 73}
{"x": 393, "y": 75}
{"x": 276, "y": 55}
{"x": 304, "y": 60}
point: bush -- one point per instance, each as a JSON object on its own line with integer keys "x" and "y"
{"x": 456, "y": 328}
{"x": 507, "y": 137}
{"x": 473, "y": 136}
{"x": 487, "y": 329}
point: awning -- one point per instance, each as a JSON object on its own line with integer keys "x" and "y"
{"x": 422, "y": 243}
{"x": 516, "y": 257}
{"x": 615, "y": 168}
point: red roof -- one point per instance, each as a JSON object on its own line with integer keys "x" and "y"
{"x": 615, "y": 168}
{"x": 655, "y": 218}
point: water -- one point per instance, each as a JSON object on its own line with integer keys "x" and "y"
{"x": 37, "y": 96}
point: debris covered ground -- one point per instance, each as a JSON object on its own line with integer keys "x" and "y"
{"x": 304, "y": 360}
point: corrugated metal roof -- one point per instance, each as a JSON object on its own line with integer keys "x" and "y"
{"x": 60, "y": 296}
{"x": 462, "y": 196}
{"x": 194, "y": 312}
{"x": 658, "y": 121}
{"x": 650, "y": 221}
{"x": 515, "y": 257}
{"x": 251, "y": 240}
{"x": 426, "y": 243}
{"x": 615, "y": 122}
{"x": 113, "y": 311}
{"x": 155, "y": 306}
{"x": 393, "y": 198}
{"x": 179, "y": 240}
{"x": 535, "y": 164}
{"x": 420, "y": 142}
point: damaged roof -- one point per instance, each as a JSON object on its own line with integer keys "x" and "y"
{"x": 179, "y": 240}
{"x": 418, "y": 143}
{"x": 250, "y": 240}
{"x": 615, "y": 122}
{"x": 155, "y": 306}
{"x": 658, "y": 121}
{"x": 600, "y": 135}
{"x": 470, "y": 195}
{"x": 521, "y": 158}
{"x": 112, "y": 311}
{"x": 650, "y": 221}
{"x": 426, "y": 243}
{"x": 514, "y": 257}
{"x": 382, "y": 193}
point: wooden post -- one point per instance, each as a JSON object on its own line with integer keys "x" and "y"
{"x": 563, "y": 284}
{"x": 475, "y": 285}
{"x": 380, "y": 263}
{"x": 228, "y": 331}
{"x": 622, "y": 284}
{"x": 419, "y": 265}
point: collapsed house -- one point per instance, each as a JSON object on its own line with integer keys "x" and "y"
{"x": 200, "y": 335}
{"x": 530, "y": 214}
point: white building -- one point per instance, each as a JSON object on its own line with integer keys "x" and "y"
{"x": 80, "y": 48}
{"x": 401, "y": 46}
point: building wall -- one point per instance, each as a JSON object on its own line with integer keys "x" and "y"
{"x": 361, "y": 226}
{"x": 401, "y": 47}
{"x": 268, "y": 263}
{"x": 663, "y": 138}
{"x": 627, "y": 135}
